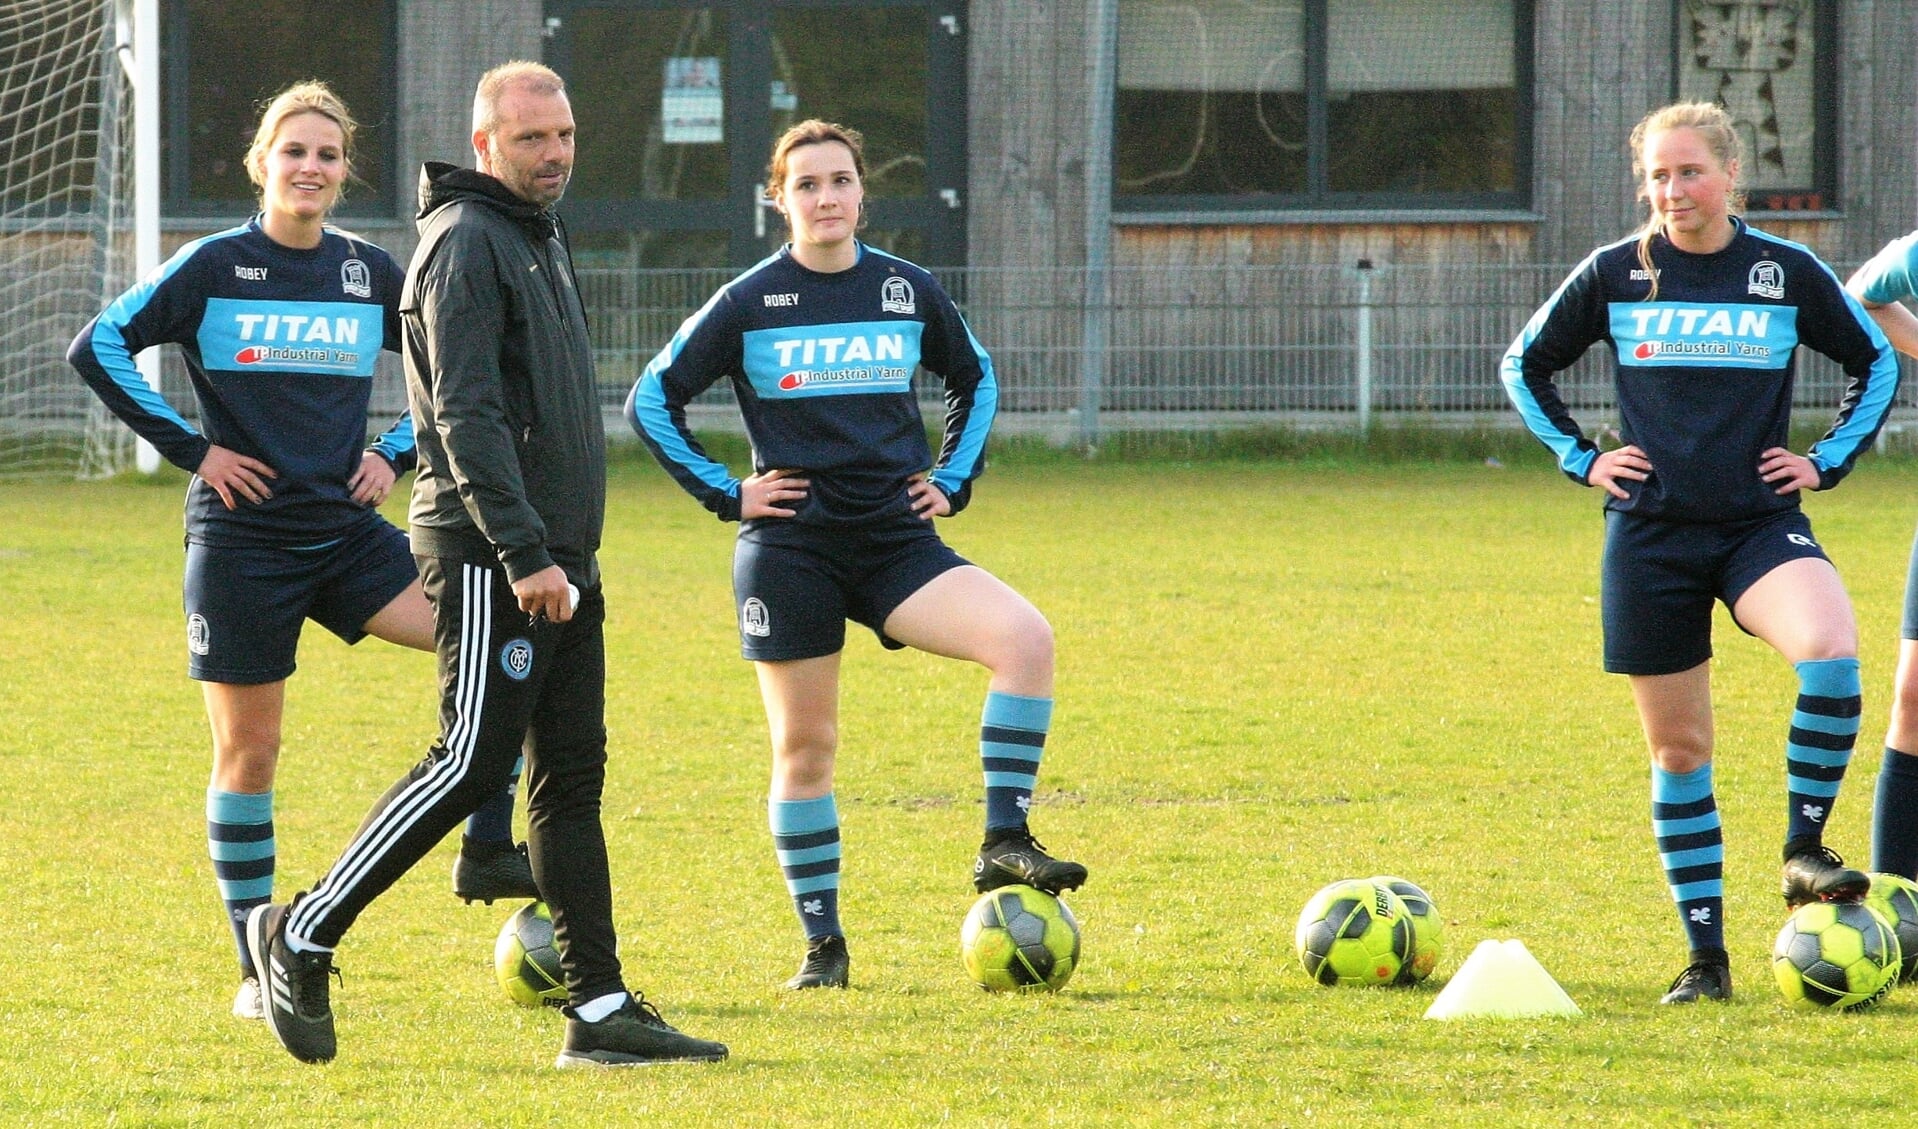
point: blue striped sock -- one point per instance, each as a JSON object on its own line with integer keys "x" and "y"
{"x": 1691, "y": 847}
{"x": 239, "y": 838}
{"x": 1824, "y": 728}
{"x": 1012, "y": 736}
{"x": 806, "y": 841}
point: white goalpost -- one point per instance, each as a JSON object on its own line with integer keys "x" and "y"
{"x": 72, "y": 233}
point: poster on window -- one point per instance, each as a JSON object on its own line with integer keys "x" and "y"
{"x": 692, "y": 105}
{"x": 1757, "y": 59}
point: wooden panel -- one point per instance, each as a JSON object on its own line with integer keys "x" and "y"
{"x": 1028, "y": 91}
{"x": 1174, "y": 247}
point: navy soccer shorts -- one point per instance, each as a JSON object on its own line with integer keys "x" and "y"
{"x": 795, "y": 586}
{"x": 245, "y": 604}
{"x": 1659, "y": 579}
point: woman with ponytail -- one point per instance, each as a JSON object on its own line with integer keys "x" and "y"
{"x": 1702, "y": 315}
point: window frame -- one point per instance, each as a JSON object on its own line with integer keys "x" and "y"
{"x": 1821, "y": 196}
{"x": 176, "y": 198}
{"x": 1317, "y": 203}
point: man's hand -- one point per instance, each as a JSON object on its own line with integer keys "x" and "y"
{"x": 545, "y": 595}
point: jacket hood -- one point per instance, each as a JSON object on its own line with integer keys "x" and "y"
{"x": 442, "y": 184}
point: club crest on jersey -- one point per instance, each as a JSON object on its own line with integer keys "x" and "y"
{"x": 355, "y": 279}
{"x": 516, "y": 659}
{"x": 895, "y": 295}
{"x": 1767, "y": 280}
{"x": 754, "y": 619}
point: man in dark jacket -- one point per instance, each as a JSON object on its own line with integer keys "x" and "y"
{"x": 507, "y": 509}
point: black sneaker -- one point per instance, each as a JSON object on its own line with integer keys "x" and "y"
{"x": 635, "y": 1035}
{"x": 293, "y": 985}
{"x": 1701, "y": 980}
{"x": 1815, "y": 873}
{"x": 826, "y": 965}
{"x": 1014, "y": 857}
{"x": 487, "y": 870}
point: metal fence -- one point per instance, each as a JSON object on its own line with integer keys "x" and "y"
{"x": 1201, "y": 347}
{"x": 1197, "y": 348}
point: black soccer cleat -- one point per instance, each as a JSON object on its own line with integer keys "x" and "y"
{"x": 1014, "y": 858}
{"x": 486, "y": 871}
{"x": 635, "y": 1035}
{"x": 826, "y": 965}
{"x": 1707, "y": 979}
{"x": 1815, "y": 873}
{"x": 293, "y": 986}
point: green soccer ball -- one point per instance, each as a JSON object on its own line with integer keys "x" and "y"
{"x": 525, "y": 961}
{"x": 1840, "y": 955}
{"x": 1428, "y": 929}
{"x": 1019, "y": 938}
{"x": 1355, "y": 931}
{"x": 1895, "y": 897}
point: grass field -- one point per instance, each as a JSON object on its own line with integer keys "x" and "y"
{"x": 1272, "y": 675}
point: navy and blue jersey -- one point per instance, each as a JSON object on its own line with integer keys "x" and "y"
{"x": 822, "y": 365}
{"x": 1704, "y": 370}
{"x": 280, "y": 344}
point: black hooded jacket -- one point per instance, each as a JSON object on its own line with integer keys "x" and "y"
{"x": 499, "y": 373}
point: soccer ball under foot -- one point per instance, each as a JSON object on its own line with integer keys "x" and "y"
{"x": 1840, "y": 955}
{"x": 1017, "y": 938}
{"x": 525, "y": 961}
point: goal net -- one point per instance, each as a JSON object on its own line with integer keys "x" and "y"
{"x": 66, "y": 232}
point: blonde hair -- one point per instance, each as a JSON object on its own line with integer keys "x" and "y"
{"x": 537, "y": 78}
{"x": 813, "y": 131}
{"x": 310, "y": 97}
{"x": 1713, "y": 125}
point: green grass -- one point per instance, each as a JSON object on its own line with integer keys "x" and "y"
{"x": 1272, "y": 675}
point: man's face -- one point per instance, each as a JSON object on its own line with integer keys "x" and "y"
{"x": 531, "y": 149}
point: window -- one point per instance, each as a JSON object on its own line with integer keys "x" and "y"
{"x": 1770, "y": 63}
{"x": 1275, "y": 104}
{"x": 225, "y": 59}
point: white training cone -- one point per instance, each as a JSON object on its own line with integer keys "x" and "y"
{"x": 1501, "y": 980}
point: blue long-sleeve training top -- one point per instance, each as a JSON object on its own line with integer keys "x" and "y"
{"x": 280, "y": 344}
{"x": 1892, "y": 274}
{"x": 1704, "y": 371}
{"x": 822, "y": 365}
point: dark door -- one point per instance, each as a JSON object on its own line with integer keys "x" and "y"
{"x": 678, "y": 105}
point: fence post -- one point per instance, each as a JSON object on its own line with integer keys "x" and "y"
{"x": 1096, "y": 325}
{"x": 1364, "y": 394}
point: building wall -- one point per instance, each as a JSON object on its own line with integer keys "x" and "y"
{"x": 1598, "y": 67}
{"x": 1028, "y": 135}
{"x": 445, "y": 46}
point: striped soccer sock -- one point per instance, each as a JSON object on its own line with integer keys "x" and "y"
{"x": 1012, "y": 736}
{"x": 1824, "y": 727}
{"x": 1691, "y": 847}
{"x": 806, "y": 841}
{"x": 239, "y": 838}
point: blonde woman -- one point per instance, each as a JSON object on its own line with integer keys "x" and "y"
{"x": 1702, "y": 314}
{"x": 280, "y": 322}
